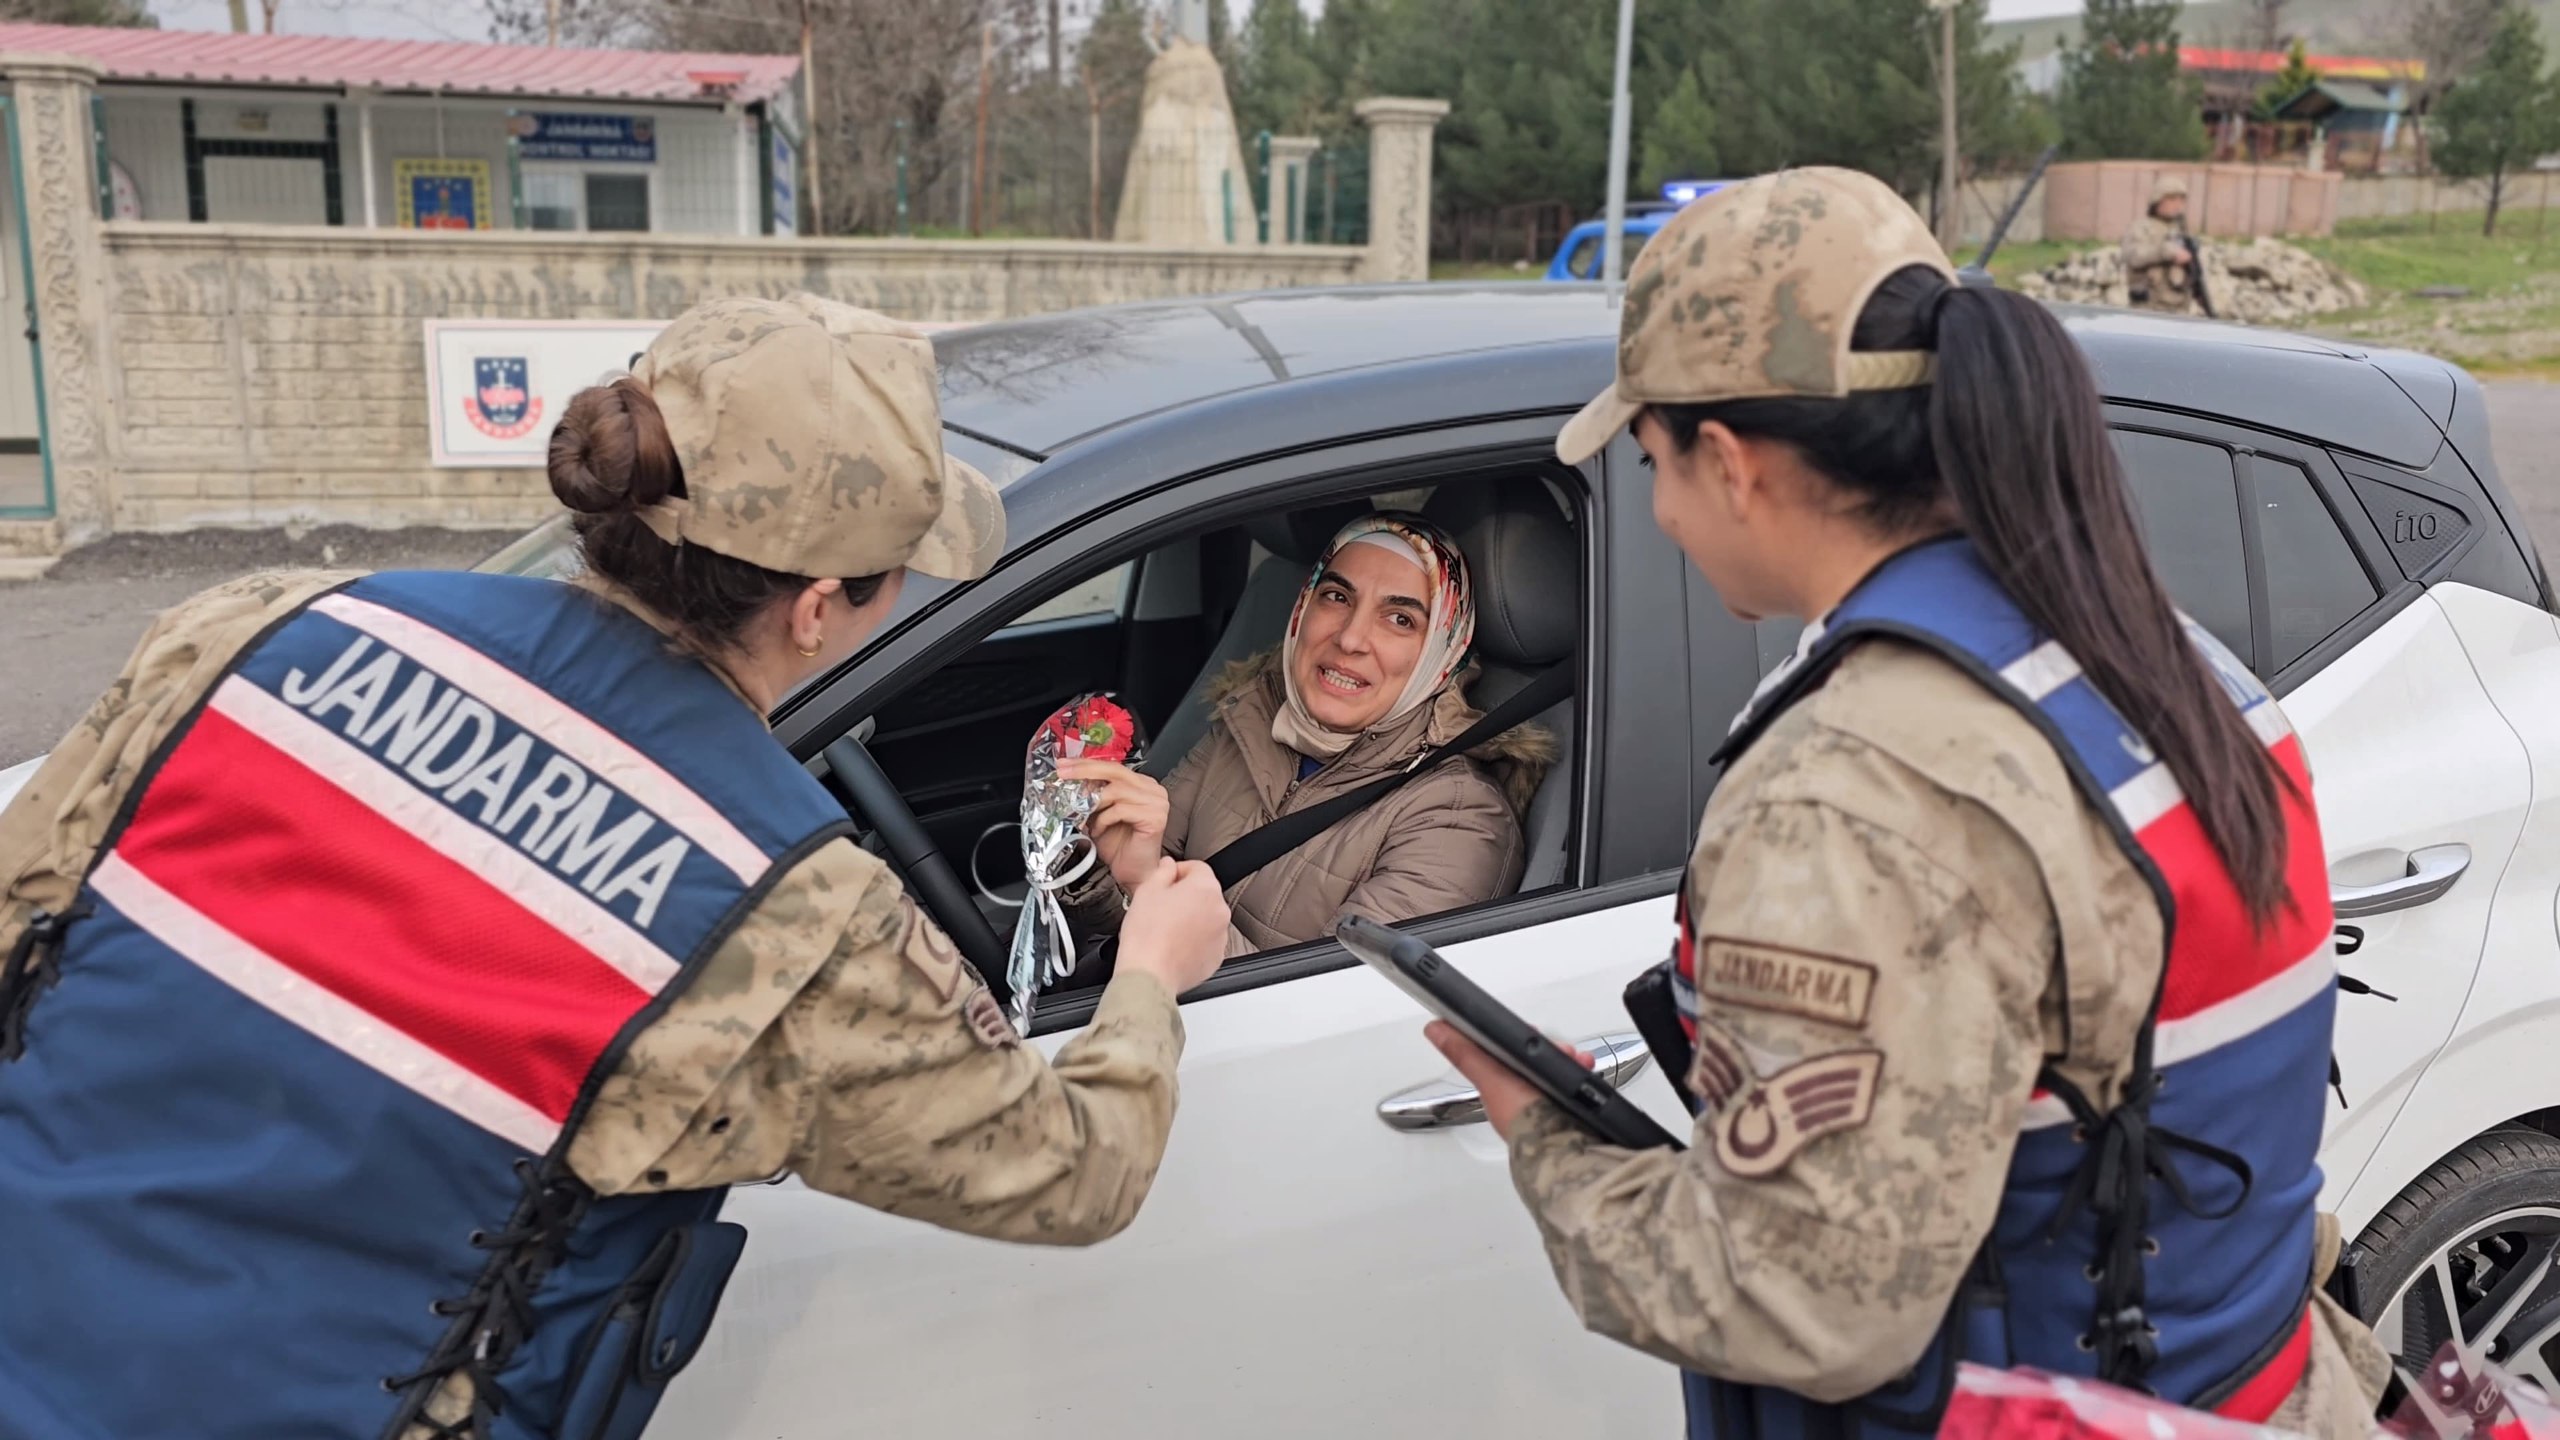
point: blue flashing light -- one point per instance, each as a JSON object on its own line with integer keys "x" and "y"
{"x": 1681, "y": 192}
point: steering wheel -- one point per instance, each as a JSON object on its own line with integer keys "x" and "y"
{"x": 867, "y": 793}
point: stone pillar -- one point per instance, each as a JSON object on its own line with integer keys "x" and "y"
{"x": 58, "y": 164}
{"x": 1400, "y": 185}
{"x": 1290, "y": 155}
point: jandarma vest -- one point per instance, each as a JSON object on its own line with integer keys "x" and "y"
{"x": 286, "y": 1096}
{"x": 2166, "y": 1243}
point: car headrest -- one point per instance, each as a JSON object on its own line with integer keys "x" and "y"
{"x": 1521, "y": 552}
{"x": 1299, "y": 536}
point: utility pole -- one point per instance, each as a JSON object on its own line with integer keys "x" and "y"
{"x": 551, "y": 22}
{"x": 1950, "y": 201}
{"x": 1613, "y": 246}
{"x": 978, "y": 181}
{"x": 239, "y": 17}
{"x": 809, "y": 121}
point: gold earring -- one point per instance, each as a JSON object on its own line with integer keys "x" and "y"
{"x": 813, "y": 654}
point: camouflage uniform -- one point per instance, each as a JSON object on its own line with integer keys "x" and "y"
{"x": 2155, "y": 278}
{"x": 1881, "y": 894}
{"x": 836, "y": 1034}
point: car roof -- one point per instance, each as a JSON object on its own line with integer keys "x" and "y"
{"x": 1040, "y": 385}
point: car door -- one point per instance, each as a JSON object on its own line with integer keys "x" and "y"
{"x": 1301, "y": 1266}
{"x": 2421, "y": 783}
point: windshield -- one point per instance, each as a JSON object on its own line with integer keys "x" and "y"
{"x": 549, "y": 551}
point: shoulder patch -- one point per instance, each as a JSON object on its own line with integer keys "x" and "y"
{"x": 1780, "y": 1115}
{"x": 987, "y": 1022}
{"x": 923, "y": 946}
{"x": 1759, "y": 976}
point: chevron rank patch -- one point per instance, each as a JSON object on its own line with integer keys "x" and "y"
{"x": 1763, "y": 1122}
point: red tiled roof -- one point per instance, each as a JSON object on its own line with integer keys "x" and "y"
{"x": 305, "y": 62}
{"x": 2271, "y": 62}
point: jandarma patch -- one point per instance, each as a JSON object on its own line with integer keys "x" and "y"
{"x": 1787, "y": 982}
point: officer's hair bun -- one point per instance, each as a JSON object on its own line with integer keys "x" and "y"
{"x": 610, "y": 454}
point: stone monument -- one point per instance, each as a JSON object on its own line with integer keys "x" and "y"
{"x": 1187, "y": 183}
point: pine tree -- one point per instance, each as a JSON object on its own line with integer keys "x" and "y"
{"x": 2502, "y": 116}
{"x": 2296, "y": 77}
{"x": 2123, "y": 96}
{"x": 1274, "y": 82}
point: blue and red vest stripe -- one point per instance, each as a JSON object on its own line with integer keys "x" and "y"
{"x": 381, "y": 915}
{"x": 2239, "y": 1037}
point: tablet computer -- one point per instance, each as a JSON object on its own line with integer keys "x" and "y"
{"x": 1436, "y": 985}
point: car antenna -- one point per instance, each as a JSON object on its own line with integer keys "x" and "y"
{"x": 1978, "y": 273}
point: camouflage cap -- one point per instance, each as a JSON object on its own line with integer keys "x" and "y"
{"x": 811, "y": 440}
{"x": 1752, "y": 292}
{"x": 2169, "y": 186}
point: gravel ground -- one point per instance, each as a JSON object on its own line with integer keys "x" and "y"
{"x": 65, "y": 636}
{"x": 2524, "y": 421}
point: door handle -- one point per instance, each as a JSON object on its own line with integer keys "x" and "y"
{"x": 2432, "y": 872}
{"x": 1438, "y": 1104}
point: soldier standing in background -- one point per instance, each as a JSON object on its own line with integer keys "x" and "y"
{"x": 2159, "y": 259}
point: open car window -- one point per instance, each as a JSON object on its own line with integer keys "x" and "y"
{"x": 1161, "y": 632}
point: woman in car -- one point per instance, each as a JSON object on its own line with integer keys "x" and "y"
{"x": 437, "y": 949}
{"x": 1371, "y": 677}
{"x": 2004, "y": 956}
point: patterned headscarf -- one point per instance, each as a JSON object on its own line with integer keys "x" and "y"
{"x": 1448, "y": 632}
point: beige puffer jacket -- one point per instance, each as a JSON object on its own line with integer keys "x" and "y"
{"x": 1446, "y": 839}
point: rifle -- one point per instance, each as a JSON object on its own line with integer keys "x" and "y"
{"x": 2195, "y": 272}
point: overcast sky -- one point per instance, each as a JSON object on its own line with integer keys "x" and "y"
{"x": 468, "y": 19}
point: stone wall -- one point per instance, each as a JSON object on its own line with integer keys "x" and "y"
{"x": 274, "y": 375}
{"x": 2379, "y": 197}
{"x": 263, "y": 375}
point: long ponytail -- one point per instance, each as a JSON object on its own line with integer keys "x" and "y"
{"x": 2014, "y": 419}
{"x": 2012, "y": 436}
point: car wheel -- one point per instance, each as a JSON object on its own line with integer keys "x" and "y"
{"x": 2467, "y": 1251}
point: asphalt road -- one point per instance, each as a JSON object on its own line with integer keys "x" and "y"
{"x": 65, "y": 636}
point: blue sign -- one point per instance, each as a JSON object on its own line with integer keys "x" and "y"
{"x": 786, "y": 193}
{"x": 499, "y": 400}
{"x": 585, "y": 137}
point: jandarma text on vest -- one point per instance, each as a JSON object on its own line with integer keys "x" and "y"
{"x": 460, "y": 750}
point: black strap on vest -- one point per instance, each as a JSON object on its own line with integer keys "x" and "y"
{"x": 30, "y": 970}
{"x": 1254, "y": 849}
{"x": 2126, "y": 1153}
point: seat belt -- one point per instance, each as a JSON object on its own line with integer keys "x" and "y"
{"x": 1256, "y": 848}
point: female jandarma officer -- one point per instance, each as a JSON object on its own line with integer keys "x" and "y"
{"x": 400, "y": 968}
{"x": 2005, "y": 948}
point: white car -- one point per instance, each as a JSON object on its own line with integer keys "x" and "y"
{"x": 1333, "y": 1246}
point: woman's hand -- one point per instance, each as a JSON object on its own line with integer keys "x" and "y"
{"x": 1176, "y": 929}
{"x": 1505, "y": 1094}
{"x": 1129, "y": 815}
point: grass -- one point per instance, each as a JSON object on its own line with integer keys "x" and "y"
{"x": 2509, "y": 323}
{"x": 1485, "y": 270}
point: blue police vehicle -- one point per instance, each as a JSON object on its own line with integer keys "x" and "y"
{"x": 1578, "y": 258}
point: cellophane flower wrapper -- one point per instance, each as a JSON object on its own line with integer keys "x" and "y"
{"x": 1055, "y": 850}
{"x": 2454, "y": 1399}
{"x": 2025, "y": 1404}
{"x": 2460, "y": 1397}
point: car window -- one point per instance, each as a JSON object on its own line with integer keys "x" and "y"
{"x": 1101, "y": 595}
{"x": 2188, "y": 500}
{"x": 2315, "y": 581}
{"x": 1584, "y": 262}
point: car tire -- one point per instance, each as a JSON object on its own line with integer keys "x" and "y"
{"x": 2476, "y": 1237}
